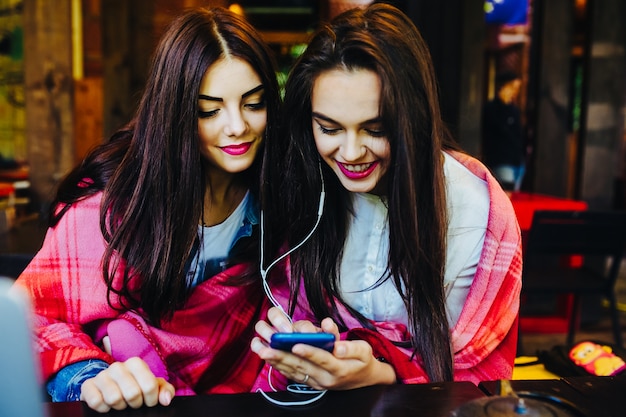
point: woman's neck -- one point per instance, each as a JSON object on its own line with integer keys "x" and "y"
{"x": 222, "y": 196}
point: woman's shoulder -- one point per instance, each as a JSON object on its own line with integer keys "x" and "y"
{"x": 76, "y": 235}
{"x": 464, "y": 186}
{"x": 82, "y": 209}
{"x": 502, "y": 218}
{"x": 469, "y": 163}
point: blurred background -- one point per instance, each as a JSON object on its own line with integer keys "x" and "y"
{"x": 71, "y": 72}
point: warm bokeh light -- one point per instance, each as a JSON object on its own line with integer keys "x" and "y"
{"x": 236, "y": 8}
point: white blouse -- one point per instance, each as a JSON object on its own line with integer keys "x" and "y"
{"x": 366, "y": 250}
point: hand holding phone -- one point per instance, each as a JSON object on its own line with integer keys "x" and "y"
{"x": 285, "y": 341}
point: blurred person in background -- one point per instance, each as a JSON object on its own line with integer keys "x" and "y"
{"x": 504, "y": 147}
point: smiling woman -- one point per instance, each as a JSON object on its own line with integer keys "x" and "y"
{"x": 414, "y": 263}
{"x": 232, "y": 118}
{"x": 350, "y": 136}
{"x": 153, "y": 236}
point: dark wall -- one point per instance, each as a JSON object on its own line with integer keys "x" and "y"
{"x": 455, "y": 32}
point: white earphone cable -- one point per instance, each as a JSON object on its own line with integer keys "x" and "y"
{"x": 293, "y": 388}
{"x": 265, "y": 271}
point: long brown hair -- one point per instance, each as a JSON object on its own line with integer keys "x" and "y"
{"x": 382, "y": 39}
{"x": 151, "y": 171}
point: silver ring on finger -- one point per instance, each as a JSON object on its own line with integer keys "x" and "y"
{"x": 306, "y": 378}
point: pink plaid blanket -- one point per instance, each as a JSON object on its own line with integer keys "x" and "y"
{"x": 484, "y": 340}
{"x": 204, "y": 348}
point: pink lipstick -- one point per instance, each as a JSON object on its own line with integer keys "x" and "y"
{"x": 239, "y": 149}
{"x": 357, "y": 171}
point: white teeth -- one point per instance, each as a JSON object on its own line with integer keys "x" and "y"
{"x": 357, "y": 168}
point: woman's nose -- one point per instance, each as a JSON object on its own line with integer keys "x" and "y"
{"x": 236, "y": 124}
{"x": 353, "y": 148}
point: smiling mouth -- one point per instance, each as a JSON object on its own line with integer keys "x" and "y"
{"x": 239, "y": 149}
{"x": 357, "y": 171}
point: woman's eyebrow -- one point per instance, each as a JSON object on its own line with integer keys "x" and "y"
{"x": 320, "y": 116}
{"x": 254, "y": 90}
{"x": 244, "y": 95}
{"x": 317, "y": 115}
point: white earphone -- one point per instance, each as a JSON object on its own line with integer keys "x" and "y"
{"x": 294, "y": 388}
{"x": 264, "y": 271}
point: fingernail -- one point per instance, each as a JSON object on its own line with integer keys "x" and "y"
{"x": 167, "y": 398}
{"x": 255, "y": 345}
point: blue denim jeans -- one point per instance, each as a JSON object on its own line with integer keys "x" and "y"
{"x": 66, "y": 384}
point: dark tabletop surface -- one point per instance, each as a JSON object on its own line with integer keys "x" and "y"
{"x": 582, "y": 396}
{"x": 427, "y": 400}
{"x": 575, "y": 396}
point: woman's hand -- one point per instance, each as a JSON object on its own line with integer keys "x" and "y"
{"x": 350, "y": 365}
{"x": 130, "y": 383}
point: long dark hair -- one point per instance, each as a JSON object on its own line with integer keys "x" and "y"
{"x": 382, "y": 39}
{"x": 151, "y": 171}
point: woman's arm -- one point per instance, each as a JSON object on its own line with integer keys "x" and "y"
{"x": 68, "y": 295}
{"x": 66, "y": 288}
{"x": 484, "y": 337}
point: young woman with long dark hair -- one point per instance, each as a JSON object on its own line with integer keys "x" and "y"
{"x": 146, "y": 284}
{"x": 415, "y": 264}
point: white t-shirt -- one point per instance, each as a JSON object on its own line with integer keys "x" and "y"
{"x": 215, "y": 245}
{"x": 366, "y": 250}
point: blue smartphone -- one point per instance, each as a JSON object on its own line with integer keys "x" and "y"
{"x": 285, "y": 341}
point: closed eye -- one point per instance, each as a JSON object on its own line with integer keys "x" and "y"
{"x": 207, "y": 114}
{"x": 256, "y": 106}
{"x": 376, "y": 133}
{"x": 327, "y": 131}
